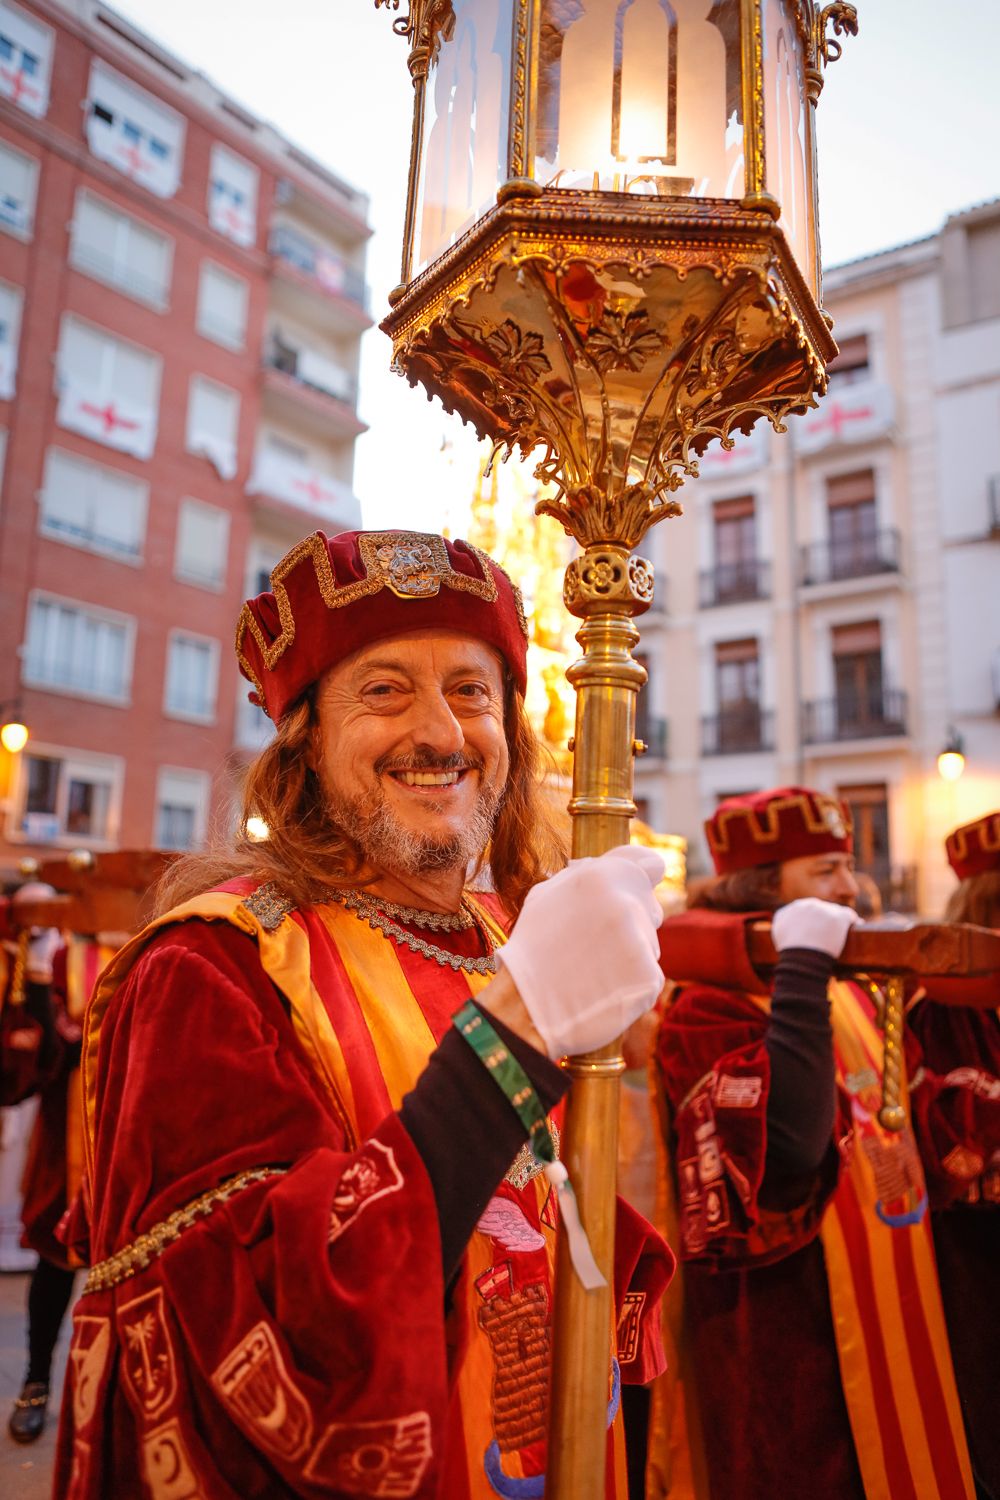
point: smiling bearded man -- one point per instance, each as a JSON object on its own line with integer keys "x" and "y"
{"x": 321, "y": 1089}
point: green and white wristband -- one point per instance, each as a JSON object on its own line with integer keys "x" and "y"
{"x": 513, "y": 1082}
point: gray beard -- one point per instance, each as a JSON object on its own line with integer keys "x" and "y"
{"x": 393, "y": 849}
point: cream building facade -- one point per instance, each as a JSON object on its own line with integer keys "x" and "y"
{"x": 828, "y": 608}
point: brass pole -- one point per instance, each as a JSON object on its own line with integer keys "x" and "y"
{"x": 606, "y": 587}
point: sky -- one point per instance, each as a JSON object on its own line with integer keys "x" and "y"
{"x": 907, "y": 130}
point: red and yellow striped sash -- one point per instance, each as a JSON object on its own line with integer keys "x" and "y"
{"x": 891, "y": 1339}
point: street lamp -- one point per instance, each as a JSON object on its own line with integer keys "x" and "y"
{"x": 611, "y": 255}
{"x": 13, "y": 733}
{"x": 951, "y": 757}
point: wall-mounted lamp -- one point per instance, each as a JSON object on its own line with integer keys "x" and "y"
{"x": 13, "y": 731}
{"x": 951, "y": 757}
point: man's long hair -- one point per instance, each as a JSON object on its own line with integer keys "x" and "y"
{"x": 976, "y": 899}
{"x": 308, "y": 855}
{"x": 756, "y": 889}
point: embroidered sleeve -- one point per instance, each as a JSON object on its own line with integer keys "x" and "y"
{"x": 953, "y": 1060}
{"x": 716, "y": 1073}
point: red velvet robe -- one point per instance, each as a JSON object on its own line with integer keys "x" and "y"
{"x": 295, "y": 1341}
{"x": 759, "y": 1347}
{"x": 953, "y": 1056}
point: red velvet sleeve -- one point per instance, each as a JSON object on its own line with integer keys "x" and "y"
{"x": 298, "y": 1311}
{"x": 715, "y": 1072}
{"x": 953, "y": 1059}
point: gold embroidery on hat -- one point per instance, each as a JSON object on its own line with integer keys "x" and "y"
{"x": 821, "y": 814}
{"x": 986, "y": 838}
{"x": 412, "y": 564}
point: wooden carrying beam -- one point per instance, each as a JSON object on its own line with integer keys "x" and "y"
{"x": 97, "y": 893}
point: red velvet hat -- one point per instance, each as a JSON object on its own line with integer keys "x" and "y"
{"x": 765, "y": 828}
{"x": 334, "y": 594}
{"x": 974, "y": 849}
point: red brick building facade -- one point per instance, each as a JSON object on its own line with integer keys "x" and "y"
{"x": 181, "y": 303}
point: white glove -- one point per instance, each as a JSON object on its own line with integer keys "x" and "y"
{"x": 583, "y": 953}
{"x": 42, "y": 949}
{"x": 811, "y": 923}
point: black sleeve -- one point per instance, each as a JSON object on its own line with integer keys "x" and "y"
{"x": 467, "y": 1131}
{"x": 801, "y": 1104}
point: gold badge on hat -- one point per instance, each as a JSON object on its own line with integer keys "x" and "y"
{"x": 833, "y": 818}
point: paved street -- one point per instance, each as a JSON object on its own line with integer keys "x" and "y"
{"x": 25, "y": 1472}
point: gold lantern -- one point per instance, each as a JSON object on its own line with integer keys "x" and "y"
{"x": 611, "y": 256}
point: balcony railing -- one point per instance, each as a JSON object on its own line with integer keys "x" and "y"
{"x": 324, "y": 268}
{"x": 733, "y": 731}
{"x": 897, "y": 885}
{"x": 313, "y": 371}
{"x": 735, "y": 582}
{"x": 654, "y": 734}
{"x": 855, "y": 716}
{"x": 861, "y": 557}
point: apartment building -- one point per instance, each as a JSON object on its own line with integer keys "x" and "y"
{"x": 182, "y": 297}
{"x": 827, "y": 608}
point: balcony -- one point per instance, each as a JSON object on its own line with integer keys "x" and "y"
{"x": 308, "y": 390}
{"x": 734, "y": 583}
{"x": 875, "y": 715}
{"x": 654, "y": 734}
{"x": 897, "y": 886}
{"x": 277, "y": 477}
{"x": 861, "y": 557}
{"x": 318, "y": 274}
{"x": 741, "y": 729}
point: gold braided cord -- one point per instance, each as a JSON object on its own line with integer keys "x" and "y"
{"x": 147, "y": 1247}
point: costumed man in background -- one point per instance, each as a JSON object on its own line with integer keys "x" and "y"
{"x": 321, "y": 1151}
{"x": 29, "y": 1045}
{"x": 953, "y": 1057}
{"x": 815, "y": 1361}
{"x": 52, "y": 1176}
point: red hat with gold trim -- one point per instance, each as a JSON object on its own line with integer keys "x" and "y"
{"x": 765, "y": 828}
{"x": 974, "y": 849}
{"x": 331, "y": 595}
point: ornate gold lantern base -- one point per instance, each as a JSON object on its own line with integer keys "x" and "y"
{"x": 619, "y": 337}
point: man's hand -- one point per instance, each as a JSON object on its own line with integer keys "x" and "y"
{"x": 583, "y": 954}
{"x": 811, "y": 923}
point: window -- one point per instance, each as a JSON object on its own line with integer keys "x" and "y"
{"x": 108, "y": 390}
{"x": 853, "y": 523}
{"x": 18, "y": 184}
{"x": 79, "y": 649}
{"x": 222, "y": 307}
{"x": 851, "y": 364}
{"x": 735, "y": 528}
{"x": 869, "y": 808}
{"x": 90, "y": 506}
{"x": 69, "y": 796}
{"x": 232, "y": 196}
{"x": 192, "y": 677}
{"x": 134, "y": 131}
{"x": 117, "y": 249}
{"x": 181, "y": 805}
{"x": 857, "y": 670}
{"x": 737, "y": 688}
{"x": 202, "y": 540}
{"x": 10, "y": 330}
{"x": 25, "y": 60}
{"x": 983, "y": 241}
{"x": 213, "y": 424}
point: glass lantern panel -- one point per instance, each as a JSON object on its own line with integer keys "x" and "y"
{"x": 464, "y": 157}
{"x": 786, "y": 134}
{"x": 640, "y": 96}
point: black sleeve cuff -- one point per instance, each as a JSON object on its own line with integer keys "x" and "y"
{"x": 467, "y": 1131}
{"x": 801, "y": 1103}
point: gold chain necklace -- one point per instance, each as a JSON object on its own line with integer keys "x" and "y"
{"x": 434, "y": 921}
{"x": 367, "y": 909}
